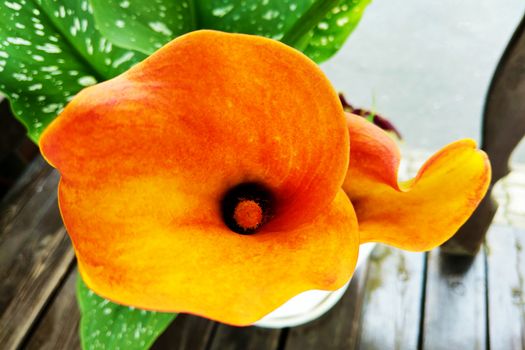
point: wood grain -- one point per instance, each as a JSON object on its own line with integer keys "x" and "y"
{"x": 58, "y": 329}
{"x": 455, "y": 303}
{"x": 506, "y": 282}
{"x": 35, "y": 254}
{"x": 392, "y": 304}
{"x": 187, "y": 332}
{"x": 247, "y": 338}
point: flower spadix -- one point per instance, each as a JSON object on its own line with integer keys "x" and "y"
{"x": 209, "y": 179}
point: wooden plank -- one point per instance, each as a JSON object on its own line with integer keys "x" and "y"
{"x": 506, "y": 281}
{"x": 35, "y": 254}
{"x": 29, "y": 185}
{"x": 338, "y": 328}
{"x": 187, "y": 332}
{"x": 455, "y": 303}
{"x": 245, "y": 338}
{"x": 392, "y": 303}
{"x": 58, "y": 328}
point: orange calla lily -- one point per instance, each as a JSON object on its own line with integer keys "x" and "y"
{"x": 208, "y": 179}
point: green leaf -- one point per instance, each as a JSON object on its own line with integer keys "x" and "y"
{"x": 144, "y": 25}
{"x": 106, "y": 325}
{"x": 330, "y": 33}
{"x": 50, "y": 50}
{"x": 318, "y": 27}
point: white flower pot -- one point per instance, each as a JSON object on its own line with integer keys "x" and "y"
{"x": 309, "y": 305}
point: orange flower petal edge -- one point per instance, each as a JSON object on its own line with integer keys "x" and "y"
{"x": 419, "y": 214}
{"x": 149, "y": 161}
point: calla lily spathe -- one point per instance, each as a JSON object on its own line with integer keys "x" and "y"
{"x": 147, "y": 158}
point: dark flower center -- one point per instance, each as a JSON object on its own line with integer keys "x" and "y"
{"x": 246, "y": 207}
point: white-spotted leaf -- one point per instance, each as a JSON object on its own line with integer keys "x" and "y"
{"x": 318, "y": 27}
{"x": 108, "y": 326}
{"x": 50, "y": 50}
{"x": 329, "y": 34}
{"x": 144, "y": 25}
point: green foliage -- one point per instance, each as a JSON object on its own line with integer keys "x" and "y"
{"x": 331, "y": 32}
{"x": 49, "y": 51}
{"x": 317, "y": 27}
{"x": 109, "y": 326}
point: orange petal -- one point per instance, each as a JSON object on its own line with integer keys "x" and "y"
{"x": 419, "y": 214}
{"x": 206, "y": 269}
{"x": 211, "y": 109}
{"x": 146, "y": 158}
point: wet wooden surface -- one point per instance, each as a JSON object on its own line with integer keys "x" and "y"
{"x": 399, "y": 300}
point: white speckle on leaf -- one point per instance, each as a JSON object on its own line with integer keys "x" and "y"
{"x": 20, "y": 26}
{"x": 120, "y": 23}
{"x": 52, "y": 107}
{"x": 124, "y": 4}
{"x": 62, "y": 11}
{"x": 22, "y": 77}
{"x": 89, "y": 46}
{"x": 108, "y": 48}
{"x": 87, "y": 80}
{"x": 323, "y": 25}
{"x": 13, "y": 5}
{"x": 124, "y": 58}
{"x": 270, "y": 14}
{"x": 342, "y": 21}
{"x": 49, "y": 48}
{"x": 222, "y": 11}
{"x": 293, "y": 7}
{"x": 38, "y": 58}
{"x": 36, "y": 12}
{"x": 160, "y": 27}
{"x": 49, "y": 68}
{"x": 18, "y": 41}
{"x": 4, "y": 54}
{"x": 76, "y": 23}
{"x": 35, "y": 87}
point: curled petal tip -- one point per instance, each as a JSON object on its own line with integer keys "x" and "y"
{"x": 421, "y": 213}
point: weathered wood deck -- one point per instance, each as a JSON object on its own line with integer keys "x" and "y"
{"x": 398, "y": 301}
